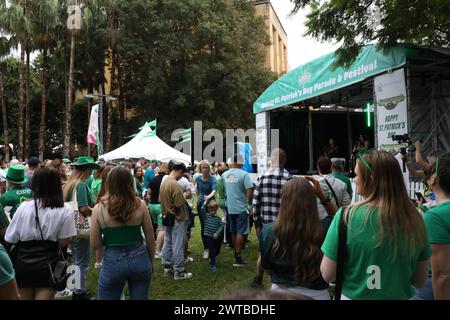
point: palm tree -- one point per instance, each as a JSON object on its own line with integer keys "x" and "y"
{"x": 15, "y": 23}
{"x": 46, "y": 20}
{"x": 5, "y": 48}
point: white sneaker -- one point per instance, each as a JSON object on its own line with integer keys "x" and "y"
{"x": 62, "y": 295}
{"x": 98, "y": 265}
{"x": 183, "y": 275}
{"x": 206, "y": 254}
{"x": 188, "y": 259}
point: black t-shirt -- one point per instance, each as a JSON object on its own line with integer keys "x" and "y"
{"x": 154, "y": 186}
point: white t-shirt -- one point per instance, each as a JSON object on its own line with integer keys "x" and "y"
{"x": 2, "y": 175}
{"x": 340, "y": 189}
{"x": 56, "y": 223}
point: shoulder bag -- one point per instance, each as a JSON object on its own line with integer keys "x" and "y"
{"x": 40, "y": 257}
{"x": 82, "y": 223}
{"x": 57, "y": 263}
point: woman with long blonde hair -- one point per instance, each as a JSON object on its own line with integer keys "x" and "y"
{"x": 387, "y": 244}
{"x": 80, "y": 247}
{"x": 290, "y": 246}
{"x": 206, "y": 190}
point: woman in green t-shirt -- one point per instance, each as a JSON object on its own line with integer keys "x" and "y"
{"x": 387, "y": 244}
{"x": 80, "y": 247}
{"x": 437, "y": 221}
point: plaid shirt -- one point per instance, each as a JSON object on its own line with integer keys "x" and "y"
{"x": 267, "y": 194}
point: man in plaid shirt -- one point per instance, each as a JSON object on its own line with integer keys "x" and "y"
{"x": 266, "y": 200}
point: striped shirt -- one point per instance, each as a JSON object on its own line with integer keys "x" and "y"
{"x": 213, "y": 225}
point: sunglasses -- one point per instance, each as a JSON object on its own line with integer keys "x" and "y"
{"x": 360, "y": 156}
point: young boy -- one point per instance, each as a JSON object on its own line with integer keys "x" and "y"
{"x": 213, "y": 233}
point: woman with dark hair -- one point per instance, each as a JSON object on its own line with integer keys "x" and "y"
{"x": 290, "y": 246}
{"x": 387, "y": 244}
{"x": 55, "y": 225}
{"x": 119, "y": 217}
{"x": 437, "y": 222}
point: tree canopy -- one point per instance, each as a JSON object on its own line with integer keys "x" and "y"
{"x": 177, "y": 61}
{"x": 354, "y": 23}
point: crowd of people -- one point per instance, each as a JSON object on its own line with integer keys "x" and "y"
{"x": 131, "y": 214}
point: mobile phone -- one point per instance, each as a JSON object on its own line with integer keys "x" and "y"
{"x": 420, "y": 197}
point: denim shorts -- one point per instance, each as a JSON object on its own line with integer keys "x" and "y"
{"x": 239, "y": 223}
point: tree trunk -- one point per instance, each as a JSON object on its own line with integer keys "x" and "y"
{"x": 121, "y": 103}
{"x": 21, "y": 103}
{"x": 5, "y": 117}
{"x": 112, "y": 92}
{"x": 27, "y": 106}
{"x": 68, "y": 115}
{"x": 42, "y": 127}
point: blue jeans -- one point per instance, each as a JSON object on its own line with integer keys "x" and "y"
{"x": 81, "y": 250}
{"x": 125, "y": 264}
{"x": 426, "y": 292}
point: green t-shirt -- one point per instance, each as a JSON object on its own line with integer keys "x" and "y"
{"x": 345, "y": 179}
{"x": 4, "y": 222}
{"x": 437, "y": 221}
{"x": 84, "y": 196}
{"x": 370, "y": 271}
{"x": 95, "y": 188}
{"x": 15, "y": 197}
{"x": 89, "y": 180}
{"x": 6, "y": 268}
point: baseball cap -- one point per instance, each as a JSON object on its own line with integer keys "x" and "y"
{"x": 33, "y": 162}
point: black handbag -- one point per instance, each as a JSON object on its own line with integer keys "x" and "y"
{"x": 168, "y": 219}
{"x": 41, "y": 257}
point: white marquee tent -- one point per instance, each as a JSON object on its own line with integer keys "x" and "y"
{"x": 144, "y": 144}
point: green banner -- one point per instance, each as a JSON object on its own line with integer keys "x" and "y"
{"x": 318, "y": 77}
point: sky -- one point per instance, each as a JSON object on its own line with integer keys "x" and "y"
{"x": 301, "y": 49}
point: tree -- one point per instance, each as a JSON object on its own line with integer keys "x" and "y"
{"x": 14, "y": 22}
{"x": 46, "y": 20}
{"x": 192, "y": 60}
{"x": 5, "y": 48}
{"x": 354, "y": 23}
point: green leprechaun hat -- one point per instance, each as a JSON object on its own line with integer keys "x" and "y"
{"x": 16, "y": 175}
{"x": 83, "y": 162}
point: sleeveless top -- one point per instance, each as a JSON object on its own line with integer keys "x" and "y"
{"x": 121, "y": 236}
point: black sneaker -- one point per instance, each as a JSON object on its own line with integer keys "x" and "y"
{"x": 257, "y": 283}
{"x": 238, "y": 262}
{"x": 83, "y": 296}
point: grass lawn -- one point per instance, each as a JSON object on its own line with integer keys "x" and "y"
{"x": 204, "y": 284}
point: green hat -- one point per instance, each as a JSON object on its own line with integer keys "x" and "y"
{"x": 154, "y": 161}
{"x": 16, "y": 175}
{"x": 66, "y": 160}
{"x": 84, "y": 162}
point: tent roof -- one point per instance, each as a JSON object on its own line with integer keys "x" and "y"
{"x": 148, "y": 146}
{"x": 317, "y": 77}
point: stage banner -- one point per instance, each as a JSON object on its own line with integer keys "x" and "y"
{"x": 391, "y": 104}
